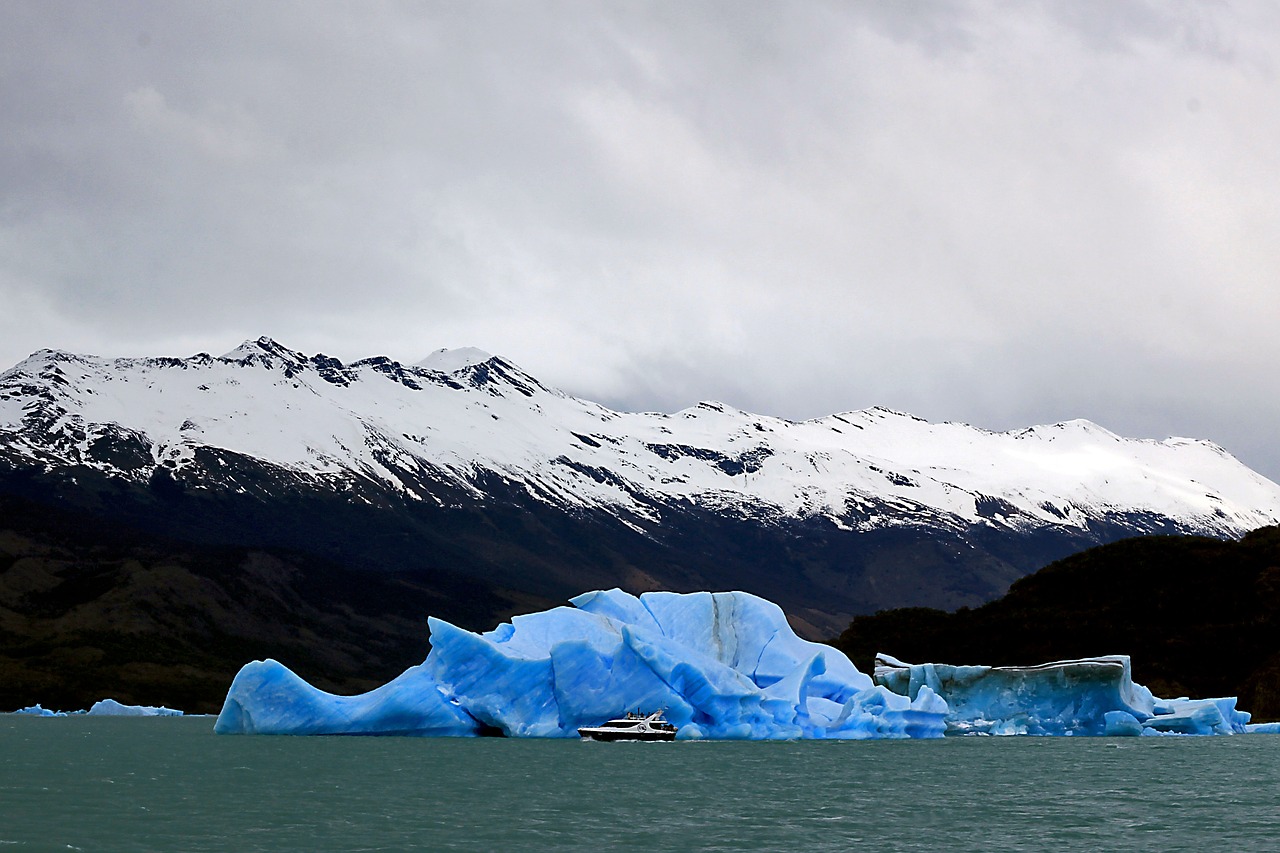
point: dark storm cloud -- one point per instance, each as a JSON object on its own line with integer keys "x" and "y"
{"x": 1003, "y": 213}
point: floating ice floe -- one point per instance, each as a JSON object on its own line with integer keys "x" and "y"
{"x": 103, "y": 708}
{"x": 112, "y": 708}
{"x": 722, "y": 665}
{"x": 1089, "y": 696}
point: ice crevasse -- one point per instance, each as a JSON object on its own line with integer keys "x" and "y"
{"x": 723, "y": 665}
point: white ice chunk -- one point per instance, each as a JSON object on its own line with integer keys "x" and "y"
{"x": 1198, "y": 717}
{"x": 112, "y": 708}
{"x": 37, "y": 711}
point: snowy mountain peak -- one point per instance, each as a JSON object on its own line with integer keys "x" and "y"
{"x": 462, "y": 415}
{"x": 447, "y": 360}
{"x": 43, "y": 359}
{"x": 1087, "y": 426}
{"x": 263, "y": 346}
{"x": 887, "y": 413}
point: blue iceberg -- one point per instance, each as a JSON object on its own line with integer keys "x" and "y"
{"x": 1088, "y": 696}
{"x": 722, "y": 665}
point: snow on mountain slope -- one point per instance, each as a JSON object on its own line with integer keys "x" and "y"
{"x": 449, "y": 360}
{"x": 461, "y": 413}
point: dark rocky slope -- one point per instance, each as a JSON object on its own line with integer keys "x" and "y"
{"x": 90, "y": 610}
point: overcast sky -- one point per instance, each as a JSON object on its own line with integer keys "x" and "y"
{"x": 1003, "y": 213}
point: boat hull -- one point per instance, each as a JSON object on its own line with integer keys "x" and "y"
{"x": 617, "y": 735}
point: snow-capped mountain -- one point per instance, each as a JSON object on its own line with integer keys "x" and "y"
{"x": 465, "y": 433}
{"x": 460, "y": 412}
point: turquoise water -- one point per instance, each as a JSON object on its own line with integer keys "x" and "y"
{"x": 116, "y": 784}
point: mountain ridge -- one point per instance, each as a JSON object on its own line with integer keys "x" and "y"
{"x": 800, "y": 467}
{"x": 481, "y": 471}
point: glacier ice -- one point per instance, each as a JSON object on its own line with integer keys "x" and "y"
{"x": 723, "y": 665}
{"x": 1088, "y": 696}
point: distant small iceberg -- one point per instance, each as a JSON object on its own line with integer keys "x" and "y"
{"x": 112, "y": 708}
{"x": 103, "y": 708}
{"x": 37, "y": 711}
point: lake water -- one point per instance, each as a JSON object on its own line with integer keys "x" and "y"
{"x": 115, "y": 784}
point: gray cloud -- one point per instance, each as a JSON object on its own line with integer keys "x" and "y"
{"x": 1003, "y": 213}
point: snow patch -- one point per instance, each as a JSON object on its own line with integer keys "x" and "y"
{"x": 450, "y": 360}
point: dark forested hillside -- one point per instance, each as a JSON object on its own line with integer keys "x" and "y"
{"x": 1200, "y": 617}
{"x": 90, "y": 610}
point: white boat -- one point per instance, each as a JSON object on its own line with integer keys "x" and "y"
{"x": 632, "y": 727}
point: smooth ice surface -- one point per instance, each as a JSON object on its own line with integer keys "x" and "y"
{"x": 1089, "y": 696}
{"x": 723, "y": 665}
{"x": 266, "y": 698}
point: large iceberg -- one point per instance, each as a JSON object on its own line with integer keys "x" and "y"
{"x": 722, "y": 665}
{"x": 1088, "y": 696}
